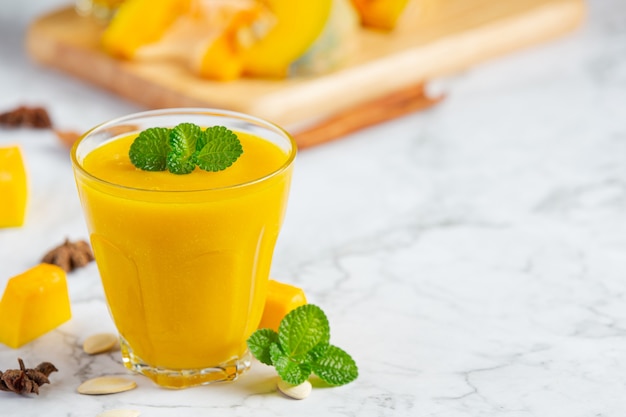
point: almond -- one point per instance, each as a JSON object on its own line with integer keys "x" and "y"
{"x": 106, "y": 385}
{"x": 297, "y": 392}
{"x": 100, "y": 342}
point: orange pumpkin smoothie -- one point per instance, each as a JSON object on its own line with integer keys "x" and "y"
{"x": 185, "y": 259}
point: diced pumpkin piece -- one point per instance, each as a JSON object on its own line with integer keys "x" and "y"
{"x": 380, "y": 14}
{"x": 281, "y": 299}
{"x": 13, "y": 187}
{"x": 140, "y": 22}
{"x": 33, "y": 303}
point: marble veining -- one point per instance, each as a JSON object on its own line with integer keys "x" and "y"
{"x": 471, "y": 258}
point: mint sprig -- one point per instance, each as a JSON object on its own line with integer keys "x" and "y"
{"x": 301, "y": 347}
{"x": 184, "y": 146}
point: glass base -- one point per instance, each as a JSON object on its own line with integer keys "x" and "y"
{"x": 185, "y": 378}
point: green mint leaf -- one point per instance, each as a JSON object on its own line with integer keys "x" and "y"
{"x": 336, "y": 367}
{"x": 149, "y": 150}
{"x": 259, "y": 344}
{"x": 217, "y": 149}
{"x": 276, "y": 353}
{"x": 318, "y": 352}
{"x": 302, "y": 329}
{"x": 289, "y": 370}
{"x": 183, "y": 139}
{"x": 182, "y": 148}
{"x": 301, "y": 347}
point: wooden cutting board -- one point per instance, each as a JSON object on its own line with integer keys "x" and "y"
{"x": 384, "y": 78}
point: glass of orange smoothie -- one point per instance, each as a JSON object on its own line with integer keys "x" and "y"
{"x": 184, "y": 259}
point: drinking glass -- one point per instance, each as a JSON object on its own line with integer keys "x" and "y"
{"x": 185, "y": 271}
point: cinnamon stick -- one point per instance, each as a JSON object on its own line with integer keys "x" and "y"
{"x": 363, "y": 115}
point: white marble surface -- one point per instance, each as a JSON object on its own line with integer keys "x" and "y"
{"x": 471, "y": 258}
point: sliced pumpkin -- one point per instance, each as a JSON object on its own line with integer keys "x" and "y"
{"x": 210, "y": 36}
{"x": 334, "y": 46}
{"x": 298, "y": 25}
{"x": 140, "y": 22}
{"x": 221, "y": 58}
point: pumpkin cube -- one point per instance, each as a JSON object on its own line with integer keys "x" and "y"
{"x": 33, "y": 303}
{"x": 13, "y": 187}
{"x": 281, "y": 299}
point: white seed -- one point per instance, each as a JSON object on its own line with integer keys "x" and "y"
{"x": 100, "y": 342}
{"x": 119, "y": 413}
{"x": 297, "y": 392}
{"x": 106, "y": 385}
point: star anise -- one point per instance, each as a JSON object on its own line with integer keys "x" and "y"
{"x": 70, "y": 255}
{"x": 36, "y": 117}
{"x": 26, "y": 381}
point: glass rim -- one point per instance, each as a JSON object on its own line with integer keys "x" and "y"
{"x": 182, "y": 111}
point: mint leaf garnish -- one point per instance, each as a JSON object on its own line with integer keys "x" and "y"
{"x": 303, "y": 329}
{"x": 336, "y": 367}
{"x": 218, "y": 149}
{"x": 149, "y": 150}
{"x": 288, "y": 370}
{"x": 183, "y": 147}
{"x": 317, "y": 352}
{"x": 259, "y": 344}
{"x": 183, "y": 140}
{"x": 302, "y": 347}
